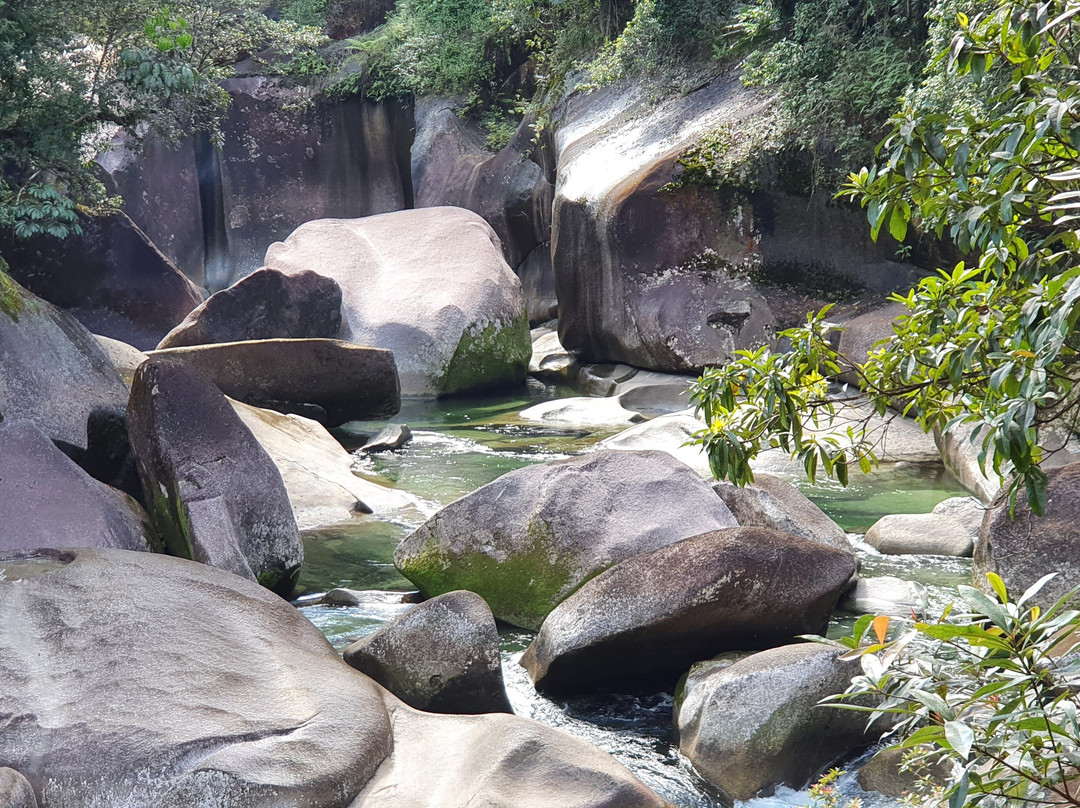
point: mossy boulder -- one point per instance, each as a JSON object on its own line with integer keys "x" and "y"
{"x": 431, "y": 285}
{"x": 528, "y": 540}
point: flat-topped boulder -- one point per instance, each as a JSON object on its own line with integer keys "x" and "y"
{"x": 347, "y": 382}
{"x": 527, "y": 540}
{"x": 429, "y": 284}
{"x": 215, "y": 496}
{"x": 648, "y": 618}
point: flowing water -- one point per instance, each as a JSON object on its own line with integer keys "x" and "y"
{"x": 461, "y": 444}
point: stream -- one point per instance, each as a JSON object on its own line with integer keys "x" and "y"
{"x": 461, "y": 444}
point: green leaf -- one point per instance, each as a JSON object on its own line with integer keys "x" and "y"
{"x": 960, "y": 737}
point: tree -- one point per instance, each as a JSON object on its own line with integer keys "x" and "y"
{"x": 991, "y": 342}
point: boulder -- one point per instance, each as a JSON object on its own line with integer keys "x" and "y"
{"x": 346, "y": 382}
{"x": 111, "y": 278}
{"x": 46, "y": 500}
{"x": 886, "y": 774}
{"x": 1023, "y": 548}
{"x": 968, "y": 511}
{"x": 550, "y": 362}
{"x": 530, "y": 538}
{"x": 340, "y": 596}
{"x": 15, "y": 790}
{"x": 538, "y": 284}
{"x": 430, "y": 285}
{"x": 214, "y": 494}
{"x": 140, "y": 679}
{"x": 919, "y": 534}
{"x": 653, "y": 396}
{"x": 581, "y": 411}
{"x": 267, "y": 304}
{"x": 885, "y": 595}
{"x": 650, "y": 616}
{"x": 108, "y": 457}
{"x": 441, "y": 657}
{"x": 394, "y": 436}
{"x": 775, "y": 503}
{"x": 125, "y": 358}
{"x": 495, "y": 761}
{"x": 54, "y": 371}
{"x": 668, "y": 433}
{"x": 757, "y": 724}
{"x": 862, "y": 332}
{"x": 317, "y": 472}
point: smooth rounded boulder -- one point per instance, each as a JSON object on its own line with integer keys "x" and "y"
{"x": 757, "y": 724}
{"x": 15, "y": 790}
{"x": 429, "y": 284}
{"x": 215, "y": 495}
{"x": 527, "y": 540}
{"x": 648, "y": 618}
{"x": 267, "y": 304}
{"x": 141, "y": 679}
{"x": 441, "y": 657}
{"x": 346, "y": 382}
{"x": 775, "y": 503}
{"x": 920, "y": 534}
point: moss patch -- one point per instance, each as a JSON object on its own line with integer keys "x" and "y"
{"x": 11, "y": 301}
{"x": 280, "y": 581}
{"x": 170, "y": 518}
{"x": 495, "y": 356}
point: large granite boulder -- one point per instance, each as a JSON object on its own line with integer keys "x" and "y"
{"x": 267, "y": 304}
{"x": 140, "y": 679}
{"x": 53, "y": 370}
{"x": 862, "y": 332}
{"x": 662, "y": 272}
{"x": 15, "y": 790}
{"x": 755, "y": 725}
{"x": 668, "y": 433}
{"x": 527, "y": 540}
{"x": 1025, "y": 547}
{"x": 48, "y": 501}
{"x": 775, "y": 503}
{"x": 441, "y": 657}
{"x": 111, "y": 277}
{"x": 214, "y": 494}
{"x": 648, "y": 618}
{"x": 346, "y": 382}
{"x": 430, "y": 285}
{"x": 495, "y": 761}
{"x": 920, "y": 534}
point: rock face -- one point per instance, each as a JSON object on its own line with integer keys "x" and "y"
{"x": 441, "y": 657}
{"x": 1025, "y": 548}
{"x": 54, "y": 371}
{"x": 347, "y": 18}
{"x": 775, "y": 503}
{"x": 652, "y": 615}
{"x": 665, "y": 274}
{"x": 920, "y": 533}
{"x": 530, "y": 538}
{"x": 112, "y": 278}
{"x": 495, "y": 761}
{"x": 215, "y": 495}
{"x": 267, "y": 304}
{"x": 430, "y": 285}
{"x": 15, "y": 790}
{"x": 193, "y": 686}
{"x": 347, "y": 382}
{"x": 756, "y": 724}
{"x": 48, "y": 501}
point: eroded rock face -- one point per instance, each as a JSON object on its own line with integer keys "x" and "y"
{"x": 193, "y": 687}
{"x": 496, "y": 761}
{"x": 265, "y": 305}
{"x": 441, "y": 657}
{"x": 48, "y": 501}
{"x": 755, "y": 725}
{"x": 651, "y": 616}
{"x": 530, "y": 538}
{"x": 430, "y": 285}
{"x": 54, "y": 371}
{"x": 214, "y": 494}
{"x": 111, "y": 278}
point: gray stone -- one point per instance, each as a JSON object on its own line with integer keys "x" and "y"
{"x": 54, "y": 371}
{"x": 527, "y": 540}
{"x": 582, "y": 411}
{"x": 667, "y": 433}
{"x": 919, "y": 534}
{"x": 651, "y": 616}
{"x": 441, "y": 657}
{"x": 863, "y": 331}
{"x": 775, "y": 503}
{"x": 428, "y": 284}
{"x": 144, "y": 680}
{"x": 757, "y": 724}
{"x": 215, "y": 496}
{"x": 885, "y": 595}
{"x": 394, "y": 436}
{"x": 968, "y": 511}
{"x": 885, "y": 774}
{"x": 125, "y": 358}
{"x": 267, "y": 304}
{"x": 347, "y": 382}
{"x": 551, "y": 362}
{"x": 341, "y": 596}
{"x": 655, "y": 397}
{"x": 15, "y": 790}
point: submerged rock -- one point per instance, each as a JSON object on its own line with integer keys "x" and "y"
{"x": 430, "y": 285}
{"x": 530, "y": 538}
{"x": 920, "y": 534}
{"x": 757, "y": 724}
{"x": 651, "y": 616}
{"x": 775, "y": 503}
{"x": 441, "y": 657}
{"x": 214, "y": 493}
{"x": 193, "y": 687}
